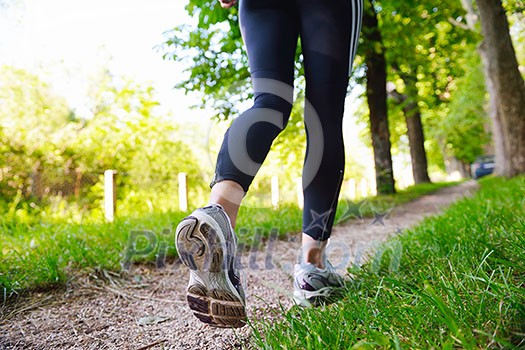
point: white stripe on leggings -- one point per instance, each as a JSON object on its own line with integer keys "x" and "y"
{"x": 357, "y": 19}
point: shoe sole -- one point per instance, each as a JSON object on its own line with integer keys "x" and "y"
{"x": 323, "y": 296}
{"x": 313, "y": 298}
{"x": 210, "y": 294}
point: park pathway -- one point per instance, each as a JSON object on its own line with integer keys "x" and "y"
{"x": 147, "y": 309}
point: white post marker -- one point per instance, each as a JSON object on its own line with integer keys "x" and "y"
{"x": 110, "y": 195}
{"x": 183, "y": 192}
{"x": 300, "y": 194}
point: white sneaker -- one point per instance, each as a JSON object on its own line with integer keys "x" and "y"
{"x": 314, "y": 286}
{"x": 206, "y": 243}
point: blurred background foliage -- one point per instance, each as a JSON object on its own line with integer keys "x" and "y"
{"x": 52, "y": 159}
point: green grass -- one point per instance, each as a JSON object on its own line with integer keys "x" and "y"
{"x": 459, "y": 284}
{"x": 42, "y": 256}
{"x": 36, "y": 253}
{"x": 367, "y": 207}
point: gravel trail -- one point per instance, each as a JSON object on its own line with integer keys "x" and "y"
{"x": 147, "y": 308}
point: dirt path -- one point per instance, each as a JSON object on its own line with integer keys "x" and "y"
{"x": 148, "y": 309}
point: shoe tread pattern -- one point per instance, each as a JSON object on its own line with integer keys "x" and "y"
{"x": 200, "y": 248}
{"x": 218, "y": 308}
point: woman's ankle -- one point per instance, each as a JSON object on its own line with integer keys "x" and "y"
{"x": 313, "y": 251}
{"x": 229, "y": 195}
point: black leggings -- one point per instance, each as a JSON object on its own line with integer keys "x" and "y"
{"x": 329, "y": 32}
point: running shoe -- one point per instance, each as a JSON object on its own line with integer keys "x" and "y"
{"x": 314, "y": 286}
{"x": 206, "y": 244}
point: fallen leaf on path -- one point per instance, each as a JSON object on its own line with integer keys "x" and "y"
{"x": 144, "y": 321}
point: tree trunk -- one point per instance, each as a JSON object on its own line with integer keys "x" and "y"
{"x": 377, "y": 101}
{"x": 416, "y": 137}
{"x": 506, "y": 89}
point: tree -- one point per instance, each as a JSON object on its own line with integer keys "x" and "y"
{"x": 465, "y": 129}
{"x": 376, "y": 75}
{"x": 424, "y": 54}
{"x": 219, "y": 67}
{"x": 506, "y": 88}
{"x": 30, "y": 113}
{"x": 416, "y": 138}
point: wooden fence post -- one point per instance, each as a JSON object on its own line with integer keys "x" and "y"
{"x": 110, "y": 195}
{"x": 183, "y": 192}
{"x": 300, "y": 194}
